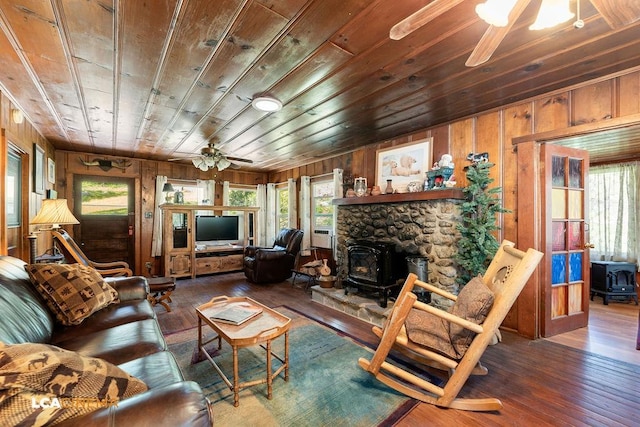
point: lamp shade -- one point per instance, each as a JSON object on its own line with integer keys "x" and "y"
{"x": 54, "y": 212}
{"x": 167, "y": 187}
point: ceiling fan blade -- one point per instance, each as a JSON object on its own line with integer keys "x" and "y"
{"x": 494, "y": 36}
{"x": 238, "y": 159}
{"x": 421, "y": 18}
{"x": 618, "y": 13}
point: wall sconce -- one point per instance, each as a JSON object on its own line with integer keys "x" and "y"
{"x": 17, "y": 116}
{"x": 54, "y": 212}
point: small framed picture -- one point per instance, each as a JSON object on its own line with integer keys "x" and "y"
{"x": 403, "y": 164}
{"x": 51, "y": 171}
{"x": 38, "y": 169}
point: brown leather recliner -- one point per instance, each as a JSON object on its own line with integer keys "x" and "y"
{"x": 274, "y": 264}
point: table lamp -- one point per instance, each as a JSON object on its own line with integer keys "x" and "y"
{"x": 54, "y": 212}
{"x": 166, "y": 189}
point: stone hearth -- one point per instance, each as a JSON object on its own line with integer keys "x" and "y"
{"x": 357, "y": 306}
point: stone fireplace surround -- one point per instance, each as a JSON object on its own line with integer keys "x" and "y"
{"x": 421, "y": 224}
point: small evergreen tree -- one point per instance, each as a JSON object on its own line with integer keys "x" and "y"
{"x": 477, "y": 244}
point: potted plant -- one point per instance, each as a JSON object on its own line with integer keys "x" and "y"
{"x": 478, "y": 244}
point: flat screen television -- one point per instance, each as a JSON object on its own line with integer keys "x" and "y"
{"x": 211, "y": 228}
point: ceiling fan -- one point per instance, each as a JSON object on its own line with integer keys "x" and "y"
{"x": 617, "y": 14}
{"x": 210, "y": 157}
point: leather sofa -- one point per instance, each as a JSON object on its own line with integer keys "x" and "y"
{"x": 126, "y": 334}
{"x": 274, "y": 264}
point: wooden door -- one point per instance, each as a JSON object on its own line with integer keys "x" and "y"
{"x": 565, "y": 286}
{"x": 105, "y": 208}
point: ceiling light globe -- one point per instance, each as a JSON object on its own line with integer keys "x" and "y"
{"x": 495, "y": 12}
{"x": 552, "y": 13}
{"x": 223, "y": 163}
{"x": 267, "y": 104}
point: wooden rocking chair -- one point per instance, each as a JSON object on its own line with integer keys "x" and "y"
{"x": 72, "y": 251}
{"x": 451, "y": 340}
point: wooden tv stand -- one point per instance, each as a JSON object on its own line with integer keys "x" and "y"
{"x": 184, "y": 257}
{"x": 219, "y": 259}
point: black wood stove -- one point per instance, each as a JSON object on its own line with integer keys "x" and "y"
{"x": 375, "y": 267}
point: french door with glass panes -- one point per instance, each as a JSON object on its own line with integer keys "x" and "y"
{"x": 565, "y": 285}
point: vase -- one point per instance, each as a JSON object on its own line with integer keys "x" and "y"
{"x": 426, "y": 185}
{"x": 375, "y": 190}
{"x": 324, "y": 269}
{"x": 389, "y": 189}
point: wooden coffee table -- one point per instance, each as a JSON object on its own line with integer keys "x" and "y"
{"x": 260, "y": 330}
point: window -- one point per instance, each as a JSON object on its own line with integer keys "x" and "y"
{"x": 13, "y": 203}
{"x": 192, "y": 194}
{"x": 243, "y": 197}
{"x": 104, "y": 198}
{"x": 282, "y": 208}
{"x": 613, "y": 212}
{"x": 322, "y": 213}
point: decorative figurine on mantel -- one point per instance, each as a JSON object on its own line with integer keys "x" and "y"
{"x": 441, "y": 176}
{"x": 360, "y": 186}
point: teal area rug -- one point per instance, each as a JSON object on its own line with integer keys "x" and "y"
{"x": 326, "y": 386}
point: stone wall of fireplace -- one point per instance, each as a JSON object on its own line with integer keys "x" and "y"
{"x": 416, "y": 227}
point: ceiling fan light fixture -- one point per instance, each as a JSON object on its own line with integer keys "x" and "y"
{"x": 267, "y": 104}
{"x": 495, "y": 12}
{"x": 552, "y": 13}
{"x": 223, "y": 163}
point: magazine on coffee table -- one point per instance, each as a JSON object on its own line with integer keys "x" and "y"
{"x": 236, "y": 315}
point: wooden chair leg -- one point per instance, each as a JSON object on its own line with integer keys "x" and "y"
{"x": 396, "y": 321}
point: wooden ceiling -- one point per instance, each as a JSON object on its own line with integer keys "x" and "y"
{"x": 160, "y": 79}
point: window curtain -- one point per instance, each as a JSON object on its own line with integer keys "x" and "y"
{"x": 293, "y": 199}
{"x": 225, "y": 193}
{"x": 305, "y": 211}
{"x": 271, "y": 213}
{"x": 226, "y": 189}
{"x": 156, "y": 237}
{"x": 261, "y": 201}
{"x": 337, "y": 194}
{"x": 613, "y": 212}
{"x": 206, "y": 187}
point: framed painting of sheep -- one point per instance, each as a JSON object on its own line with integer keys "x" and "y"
{"x": 403, "y": 165}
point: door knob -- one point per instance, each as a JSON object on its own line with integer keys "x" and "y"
{"x": 589, "y": 246}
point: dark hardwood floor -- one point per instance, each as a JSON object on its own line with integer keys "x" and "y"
{"x": 586, "y": 377}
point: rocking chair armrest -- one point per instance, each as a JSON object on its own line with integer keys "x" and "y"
{"x": 115, "y": 272}
{"x": 449, "y": 317}
{"x": 435, "y": 290}
{"x": 114, "y": 264}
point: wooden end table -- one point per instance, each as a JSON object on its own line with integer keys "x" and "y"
{"x": 260, "y": 330}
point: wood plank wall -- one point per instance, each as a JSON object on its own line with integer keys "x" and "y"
{"x": 22, "y": 136}
{"x": 492, "y": 131}
{"x": 144, "y": 173}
